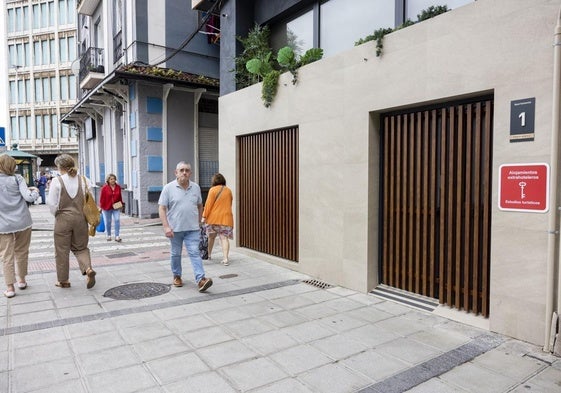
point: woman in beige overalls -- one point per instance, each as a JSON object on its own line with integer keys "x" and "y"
{"x": 66, "y": 202}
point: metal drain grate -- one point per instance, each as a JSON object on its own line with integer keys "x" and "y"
{"x": 139, "y": 290}
{"x": 232, "y": 275}
{"x": 121, "y": 255}
{"x": 410, "y": 299}
{"x": 318, "y": 284}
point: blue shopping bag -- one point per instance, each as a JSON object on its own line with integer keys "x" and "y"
{"x": 101, "y": 226}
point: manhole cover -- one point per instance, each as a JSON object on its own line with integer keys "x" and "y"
{"x": 139, "y": 290}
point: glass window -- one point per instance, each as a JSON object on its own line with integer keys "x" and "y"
{"x": 14, "y": 126}
{"x": 51, "y": 13}
{"x": 64, "y": 130}
{"x": 13, "y": 55}
{"x": 62, "y": 50}
{"x": 72, "y": 86}
{"x": 71, "y": 12}
{"x": 414, "y": 7}
{"x": 28, "y": 91}
{"x": 62, "y": 12}
{"x": 36, "y": 16}
{"x": 54, "y": 89}
{"x": 25, "y": 18}
{"x": 27, "y": 50}
{"x": 364, "y": 16}
{"x": 21, "y": 57}
{"x": 54, "y": 126}
{"x": 45, "y": 52}
{"x": 37, "y": 53}
{"x": 44, "y": 15}
{"x": 52, "y": 51}
{"x": 21, "y": 129}
{"x": 13, "y": 92}
{"x": 38, "y": 90}
{"x": 63, "y": 87}
{"x": 19, "y": 26}
{"x": 71, "y": 48}
{"x": 47, "y": 89}
{"x": 28, "y": 127}
{"x": 11, "y": 20}
{"x": 21, "y": 92}
{"x": 38, "y": 126}
{"x": 47, "y": 125}
{"x": 298, "y": 33}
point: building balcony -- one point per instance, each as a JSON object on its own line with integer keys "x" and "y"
{"x": 202, "y": 5}
{"x": 92, "y": 70}
{"x": 87, "y": 7}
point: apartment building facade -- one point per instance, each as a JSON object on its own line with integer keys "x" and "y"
{"x": 148, "y": 96}
{"x": 41, "y": 85}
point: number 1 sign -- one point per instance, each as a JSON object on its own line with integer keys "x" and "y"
{"x": 522, "y": 114}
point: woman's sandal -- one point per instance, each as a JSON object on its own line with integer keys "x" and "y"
{"x": 225, "y": 262}
{"x": 22, "y": 285}
{"x": 9, "y": 294}
{"x": 62, "y": 284}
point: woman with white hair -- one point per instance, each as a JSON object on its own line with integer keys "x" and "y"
{"x": 15, "y": 224}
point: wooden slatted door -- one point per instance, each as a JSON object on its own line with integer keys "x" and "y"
{"x": 436, "y": 203}
{"x": 268, "y": 192}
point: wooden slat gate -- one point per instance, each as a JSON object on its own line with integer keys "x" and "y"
{"x": 436, "y": 203}
{"x": 268, "y": 192}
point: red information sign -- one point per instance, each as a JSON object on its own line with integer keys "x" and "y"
{"x": 524, "y": 187}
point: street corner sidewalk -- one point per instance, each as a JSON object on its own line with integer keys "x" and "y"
{"x": 43, "y": 220}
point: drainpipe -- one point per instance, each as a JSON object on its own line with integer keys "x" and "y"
{"x": 167, "y": 89}
{"x": 550, "y": 316}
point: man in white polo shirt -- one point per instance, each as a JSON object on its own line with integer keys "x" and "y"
{"x": 180, "y": 209}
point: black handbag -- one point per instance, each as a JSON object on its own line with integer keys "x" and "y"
{"x": 203, "y": 243}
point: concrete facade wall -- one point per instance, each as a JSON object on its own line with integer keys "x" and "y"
{"x": 499, "y": 47}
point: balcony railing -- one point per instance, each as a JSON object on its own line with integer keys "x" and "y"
{"x": 92, "y": 69}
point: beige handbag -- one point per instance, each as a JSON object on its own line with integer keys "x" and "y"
{"x": 117, "y": 205}
{"x": 91, "y": 211}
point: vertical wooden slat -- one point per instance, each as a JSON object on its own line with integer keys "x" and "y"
{"x": 433, "y": 201}
{"x": 486, "y": 211}
{"x": 459, "y": 208}
{"x": 410, "y": 201}
{"x": 468, "y": 256}
{"x": 425, "y": 227}
{"x": 386, "y": 200}
{"x": 392, "y": 182}
{"x": 476, "y": 206}
{"x": 443, "y": 210}
{"x": 399, "y": 205}
{"x": 404, "y": 190}
{"x": 417, "y": 189}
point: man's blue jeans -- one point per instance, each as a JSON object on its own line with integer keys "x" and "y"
{"x": 191, "y": 241}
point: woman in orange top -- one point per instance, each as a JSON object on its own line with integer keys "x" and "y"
{"x": 218, "y": 217}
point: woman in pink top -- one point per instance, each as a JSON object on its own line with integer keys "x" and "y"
{"x": 218, "y": 217}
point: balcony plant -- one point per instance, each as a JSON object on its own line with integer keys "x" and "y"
{"x": 379, "y": 34}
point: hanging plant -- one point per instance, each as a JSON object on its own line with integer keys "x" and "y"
{"x": 379, "y": 34}
{"x": 286, "y": 61}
